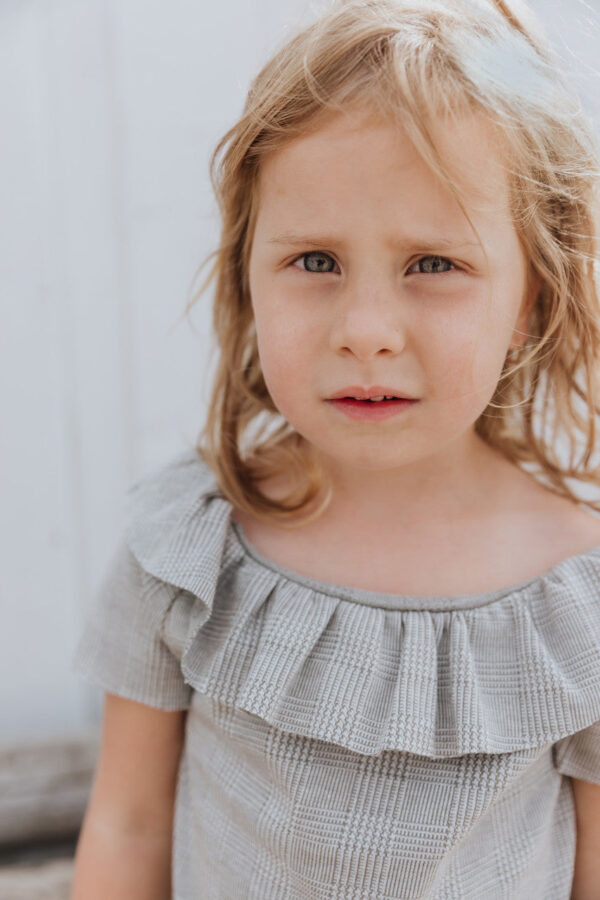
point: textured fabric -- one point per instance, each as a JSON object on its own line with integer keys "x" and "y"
{"x": 344, "y": 744}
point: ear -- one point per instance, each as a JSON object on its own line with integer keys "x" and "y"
{"x": 532, "y": 293}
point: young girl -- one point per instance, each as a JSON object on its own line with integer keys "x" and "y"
{"x": 351, "y": 643}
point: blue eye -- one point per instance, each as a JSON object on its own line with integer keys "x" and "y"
{"x": 429, "y": 265}
{"x": 320, "y": 261}
{"x": 317, "y": 262}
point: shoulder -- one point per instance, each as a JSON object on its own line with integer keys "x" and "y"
{"x": 547, "y": 526}
{"x": 569, "y": 528}
{"x": 177, "y": 523}
{"x": 185, "y": 472}
{"x": 588, "y": 526}
{"x": 565, "y": 523}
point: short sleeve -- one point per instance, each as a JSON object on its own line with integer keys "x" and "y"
{"x": 122, "y": 647}
{"x": 578, "y": 755}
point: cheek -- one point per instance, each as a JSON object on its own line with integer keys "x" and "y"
{"x": 465, "y": 365}
{"x": 284, "y": 351}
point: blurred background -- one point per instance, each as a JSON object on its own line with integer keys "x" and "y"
{"x": 109, "y": 113}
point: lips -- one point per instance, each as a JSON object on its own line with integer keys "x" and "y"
{"x": 376, "y": 391}
{"x": 370, "y": 410}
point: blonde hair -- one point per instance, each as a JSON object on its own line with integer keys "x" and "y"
{"x": 411, "y": 61}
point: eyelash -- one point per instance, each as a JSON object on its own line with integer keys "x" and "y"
{"x": 427, "y": 256}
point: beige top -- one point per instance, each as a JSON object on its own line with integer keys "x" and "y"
{"x": 343, "y": 744}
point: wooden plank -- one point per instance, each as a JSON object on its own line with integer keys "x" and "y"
{"x": 44, "y": 786}
{"x": 48, "y": 881}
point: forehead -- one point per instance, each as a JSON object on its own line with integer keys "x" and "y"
{"x": 356, "y": 156}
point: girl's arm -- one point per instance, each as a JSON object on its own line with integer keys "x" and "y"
{"x": 124, "y": 848}
{"x": 586, "y": 880}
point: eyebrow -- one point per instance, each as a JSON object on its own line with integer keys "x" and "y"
{"x": 291, "y": 238}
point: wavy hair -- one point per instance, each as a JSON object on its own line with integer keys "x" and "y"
{"x": 411, "y": 61}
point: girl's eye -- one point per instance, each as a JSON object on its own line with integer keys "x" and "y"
{"x": 430, "y": 265}
{"x": 317, "y": 261}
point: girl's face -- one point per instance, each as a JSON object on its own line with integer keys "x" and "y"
{"x": 364, "y": 271}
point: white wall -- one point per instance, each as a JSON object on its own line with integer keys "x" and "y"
{"x": 109, "y": 111}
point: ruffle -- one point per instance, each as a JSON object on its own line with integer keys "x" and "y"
{"x": 514, "y": 672}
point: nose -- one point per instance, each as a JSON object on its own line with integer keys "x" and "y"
{"x": 368, "y": 320}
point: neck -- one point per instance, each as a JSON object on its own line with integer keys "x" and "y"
{"x": 459, "y": 482}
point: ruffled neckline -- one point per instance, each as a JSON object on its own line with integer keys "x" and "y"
{"x": 407, "y": 601}
{"x": 512, "y": 669}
